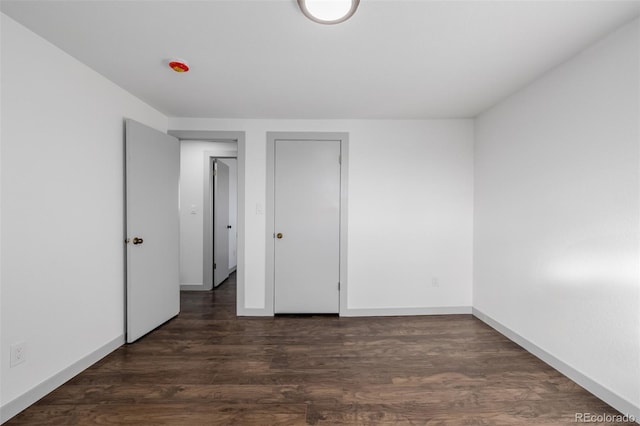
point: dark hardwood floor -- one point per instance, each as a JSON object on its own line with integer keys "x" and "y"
{"x": 207, "y": 367}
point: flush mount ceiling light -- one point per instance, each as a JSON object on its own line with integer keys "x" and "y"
{"x": 328, "y": 11}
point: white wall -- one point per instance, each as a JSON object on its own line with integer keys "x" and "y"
{"x": 192, "y": 160}
{"x": 556, "y": 214}
{"x": 62, "y": 208}
{"x": 410, "y": 209}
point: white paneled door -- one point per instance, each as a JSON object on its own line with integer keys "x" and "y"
{"x": 152, "y": 221}
{"x": 221, "y": 223}
{"x": 307, "y": 226}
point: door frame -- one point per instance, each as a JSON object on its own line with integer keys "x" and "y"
{"x": 210, "y": 211}
{"x": 208, "y": 203}
{"x": 272, "y": 137}
{"x": 221, "y": 136}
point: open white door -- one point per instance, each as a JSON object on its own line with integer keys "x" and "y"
{"x": 152, "y": 226}
{"x": 221, "y": 223}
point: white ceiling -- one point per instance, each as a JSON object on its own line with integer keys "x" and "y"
{"x": 264, "y": 59}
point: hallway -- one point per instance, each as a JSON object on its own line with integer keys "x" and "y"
{"x": 208, "y": 367}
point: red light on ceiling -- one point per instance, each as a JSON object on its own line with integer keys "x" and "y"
{"x": 179, "y": 66}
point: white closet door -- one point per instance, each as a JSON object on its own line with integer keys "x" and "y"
{"x": 307, "y": 226}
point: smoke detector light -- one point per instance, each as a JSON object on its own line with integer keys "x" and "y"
{"x": 178, "y": 65}
{"x": 328, "y": 11}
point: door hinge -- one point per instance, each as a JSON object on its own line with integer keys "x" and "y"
{"x": 214, "y": 266}
{"x": 339, "y": 159}
{"x": 213, "y": 172}
{"x": 338, "y": 285}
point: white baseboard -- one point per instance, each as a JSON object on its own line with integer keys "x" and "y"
{"x": 608, "y": 396}
{"x": 372, "y": 312}
{"x": 394, "y": 312}
{"x": 193, "y": 287}
{"x": 15, "y": 406}
{"x": 254, "y": 312}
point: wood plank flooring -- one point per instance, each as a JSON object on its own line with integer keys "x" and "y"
{"x": 207, "y": 367}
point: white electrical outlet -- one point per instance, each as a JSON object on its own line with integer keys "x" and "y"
{"x": 18, "y": 353}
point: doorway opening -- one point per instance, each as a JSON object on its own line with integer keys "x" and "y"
{"x": 220, "y": 237}
{"x": 203, "y": 154}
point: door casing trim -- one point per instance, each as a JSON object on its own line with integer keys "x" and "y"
{"x": 239, "y": 136}
{"x": 210, "y": 157}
